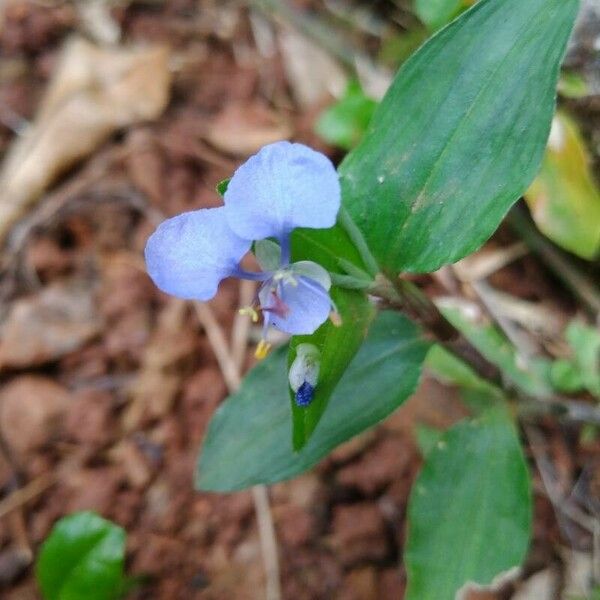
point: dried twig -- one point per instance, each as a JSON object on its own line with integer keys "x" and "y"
{"x": 21, "y": 496}
{"x": 231, "y": 374}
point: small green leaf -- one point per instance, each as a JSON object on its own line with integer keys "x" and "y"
{"x": 436, "y": 13}
{"x": 572, "y": 85}
{"x": 585, "y": 343}
{"x": 469, "y": 512}
{"x": 82, "y": 559}
{"x": 222, "y": 186}
{"x": 564, "y": 199}
{"x": 344, "y": 123}
{"x": 248, "y": 439}
{"x": 565, "y": 376}
{"x": 459, "y": 135}
{"x": 337, "y": 345}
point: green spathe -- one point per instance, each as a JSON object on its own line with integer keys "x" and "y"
{"x": 248, "y": 440}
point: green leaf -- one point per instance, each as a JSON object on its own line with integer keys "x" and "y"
{"x": 344, "y": 123}
{"x": 469, "y": 512}
{"x": 564, "y": 199}
{"x": 82, "y": 559}
{"x": 565, "y": 376}
{"x": 436, "y": 13}
{"x": 585, "y": 343}
{"x": 337, "y": 345}
{"x": 572, "y": 85}
{"x": 248, "y": 437}
{"x": 327, "y": 247}
{"x": 459, "y": 135}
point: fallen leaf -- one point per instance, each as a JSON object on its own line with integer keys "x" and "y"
{"x": 564, "y": 199}
{"x": 48, "y": 325}
{"x": 243, "y": 129}
{"x": 31, "y": 412}
{"x": 95, "y": 91}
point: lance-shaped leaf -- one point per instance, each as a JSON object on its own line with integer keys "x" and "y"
{"x": 470, "y": 509}
{"x": 459, "y": 135}
{"x": 248, "y": 440}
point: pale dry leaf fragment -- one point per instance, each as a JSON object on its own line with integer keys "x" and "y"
{"x": 48, "y": 325}
{"x": 311, "y": 71}
{"x": 95, "y": 91}
{"x": 542, "y": 585}
{"x": 242, "y": 129}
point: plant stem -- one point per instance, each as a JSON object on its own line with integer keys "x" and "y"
{"x": 405, "y": 296}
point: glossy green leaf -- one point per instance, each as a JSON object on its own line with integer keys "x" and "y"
{"x": 469, "y": 512}
{"x": 337, "y": 346}
{"x": 459, "y": 135}
{"x": 248, "y": 439}
{"x": 436, "y": 13}
{"x": 82, "y": 559}
{"x": 585, "y": 343}
{"x": 564, "y": 199}
{"x": 345, "y": 122}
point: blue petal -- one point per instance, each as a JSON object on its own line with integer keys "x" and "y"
{"x": 188, "y": 255}
{"x": 308, "y": 307}
{"x": 282, "y": 187}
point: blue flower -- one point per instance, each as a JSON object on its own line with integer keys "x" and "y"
{"x": 282, "y": 187}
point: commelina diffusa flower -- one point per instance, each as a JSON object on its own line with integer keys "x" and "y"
{"x": 282, "y": 187}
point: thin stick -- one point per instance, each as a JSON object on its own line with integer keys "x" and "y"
{"x": 21, "y": 496}
{"x": 241, "y": 325}
{"x": 260, "y": 495}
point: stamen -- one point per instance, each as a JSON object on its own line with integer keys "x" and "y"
{"x": 278, "y": 306}
{"x": 251, "y": 312}
{"x": 262, "y": 349}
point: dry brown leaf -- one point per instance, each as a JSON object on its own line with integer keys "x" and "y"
{"x": 241, "y": 130}
{"x": 32, "y": 409}
{"x": 94, "y": 92}
{"x": 46, "y": 326}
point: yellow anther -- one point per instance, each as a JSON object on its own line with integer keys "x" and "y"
{"x": 251, "y": 312}
{"x": 335, "y": 318}
{"x": 262, "y": 349}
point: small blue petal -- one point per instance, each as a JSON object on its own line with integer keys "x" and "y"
{"x": 305, "y": 394}
{"x": 282, "y": 187}
{"x": 308, "y": 307}
{"x": 187, "y": 256}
